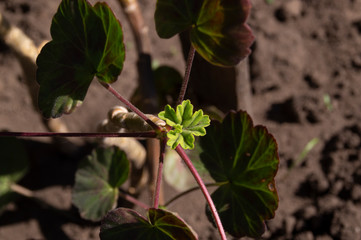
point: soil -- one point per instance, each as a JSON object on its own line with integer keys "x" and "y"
{"x": 306, "y": 51}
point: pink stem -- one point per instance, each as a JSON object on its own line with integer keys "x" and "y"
{"x": 133, "y": 200}
{"x": 186, "y": 74}
{"x": 78, "y": 134}
{"x": 204, "y": 190}
{"x": 131, "y": 106}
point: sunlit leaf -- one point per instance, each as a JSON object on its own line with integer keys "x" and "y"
{"x": 185, "y": 123}
{"x": 13, "y": 167}
{"x": 123, "y": 223}
{"x": 97, "y": 181}
{"x": 86, "y": 41}
{"x": 243, "y": 158}
{"x": 217, "y": 27}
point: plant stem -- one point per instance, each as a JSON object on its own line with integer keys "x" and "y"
{"x": 189, "y": 191}
{"x": 159, "y": 174}
{"x": 131, "y": 106}
{"x": 186, "y": 74}
{"x": 132, "y": 199}
{"x": 77, "y": 134}
{"x": 22, "y": 191}
{"x": 204, "y": 190}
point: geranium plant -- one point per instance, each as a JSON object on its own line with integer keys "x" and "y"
{"x": 242, "y": 159}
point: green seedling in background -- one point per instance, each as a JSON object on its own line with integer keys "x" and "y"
{"x": 327, "y": 101}
{"x": 309, "y": 146}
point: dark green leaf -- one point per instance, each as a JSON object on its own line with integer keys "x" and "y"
{"x": 168, "y": 82}
{"x": 244, "y": 160}
{"x": 86, "y": 42}
{"x": 123, "y": 223}
{"x": 217, "y": 27}
{"x": 97, "y": 181}
{"x": 13, "y": 167}
{"x": 185, "y": 123}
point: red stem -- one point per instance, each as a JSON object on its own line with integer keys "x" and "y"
{"x": 159, "y": 174}
{"x": 132, "y": 199}
{"x": 204, "y": 190}
{"x": 131, "y": 106}
{"x": 186, "y": 74}
{"x": 77, "y": 134}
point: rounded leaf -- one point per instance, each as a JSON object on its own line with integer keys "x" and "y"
{"x": 123, "y": 223}
{"x": 97, "y": 181}
{"x": 243, "y": 158}
{"x": 86, "y": 41}
{"x": 218, "y": 29}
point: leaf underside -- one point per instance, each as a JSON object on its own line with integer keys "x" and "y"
{"x": 123, "y": 223}
{"x": 97, "y": 181}
{"x": 244, "y": 160}
{"x": 218, "y": 29}
{"x": 86, "y": 41}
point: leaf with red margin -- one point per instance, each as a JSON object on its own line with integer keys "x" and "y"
{"x": 218, "y": 29}
{"x": 86, "y": 41}
{"x": 124, "y": 223}
{"x": 243, "y": 159}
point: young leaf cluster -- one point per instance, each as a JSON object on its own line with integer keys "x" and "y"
{"x": 185, "y": 124}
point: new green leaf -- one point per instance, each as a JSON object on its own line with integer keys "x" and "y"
{"x": 86, "y": 41}
{"x": 97, "y": 181}
{"x": 185, "y": 123}
{"x": 123, "y": 223}
{"x": 217, "y": 27}
{"x": 244, "y": 160}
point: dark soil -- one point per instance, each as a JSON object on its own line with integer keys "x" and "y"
{"x": 305, "y": 51}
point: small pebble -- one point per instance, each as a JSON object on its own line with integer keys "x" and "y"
{"x": 293, "y": 8}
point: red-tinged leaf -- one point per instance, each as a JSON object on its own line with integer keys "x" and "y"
{"x": 243, "y": 158}
{"x": 218, "y": 28}
{"x": 86, "y": 41}
{"x": 123, "y": 223}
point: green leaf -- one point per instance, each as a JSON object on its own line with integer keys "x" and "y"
{"x": 168, "y": 82}
{"x": 86, "y": 42}
{"x": 123, "y": 223}
{"x": 217, "y": 27}
{"x": 244, "y": 160}
{"x": 13, "y": 167}
{"x": 185, "y": 123}
{"x": 97, "y": 181}
{"x": 176, "y": 173}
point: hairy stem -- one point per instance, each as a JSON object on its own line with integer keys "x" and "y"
{"x": 131, "y": 106}
{"x": 76, "y": 134}
{"x": 204, "y": 190}
{"x": 186, "y": 74}
{"x": 132, "y": 199}
{"x": 159, "y": 174}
